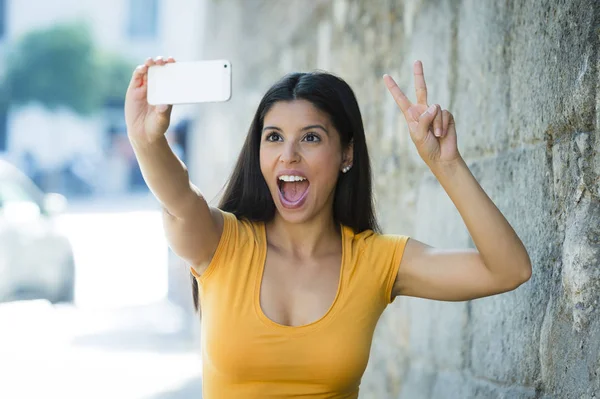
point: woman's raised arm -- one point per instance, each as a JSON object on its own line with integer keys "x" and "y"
{"x": 193, "y": 229}
{"x": 501, "y": 262}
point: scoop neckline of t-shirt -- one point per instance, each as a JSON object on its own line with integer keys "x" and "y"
{"x": 258, "y": 282}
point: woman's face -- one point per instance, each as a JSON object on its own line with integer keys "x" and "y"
{"x": 301, "y": 158}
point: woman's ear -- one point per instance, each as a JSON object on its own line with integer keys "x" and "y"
{"x": 348, "y": 155}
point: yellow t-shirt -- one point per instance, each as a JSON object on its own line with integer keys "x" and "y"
{"x": 247, "y": 355}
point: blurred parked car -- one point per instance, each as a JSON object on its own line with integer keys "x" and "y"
{"x": 36, "y": 261}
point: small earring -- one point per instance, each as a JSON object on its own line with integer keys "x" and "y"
{"x": 346, "y": 168}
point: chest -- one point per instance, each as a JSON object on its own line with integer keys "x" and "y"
{"x": 304, "y": 327}
{"x": 325, "y": 358}
{"x": 295, "y": 292}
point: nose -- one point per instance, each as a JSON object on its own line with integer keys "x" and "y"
{"x": 289, "y": 153}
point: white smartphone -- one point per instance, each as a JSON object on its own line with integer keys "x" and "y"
{"x": 189, "y": 82}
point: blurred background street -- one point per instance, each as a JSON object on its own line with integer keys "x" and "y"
{"x": 122, "y": 338}
{"x": 92, "y": 302}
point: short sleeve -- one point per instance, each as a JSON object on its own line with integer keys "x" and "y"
{"x": 397, "y": 245}
{"x": 383, "y": 255}
{"x": 226, "y": 244}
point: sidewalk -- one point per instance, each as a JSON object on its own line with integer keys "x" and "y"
{"x": 131, "y": 353}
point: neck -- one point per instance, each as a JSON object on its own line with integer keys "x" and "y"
{"x": 306, "y": 239}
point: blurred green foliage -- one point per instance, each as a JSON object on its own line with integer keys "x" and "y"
{"x": 114, "y": 75}
{"x": 61, "y": 66}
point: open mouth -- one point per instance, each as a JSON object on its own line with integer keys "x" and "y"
{"x": 292, "y": 190}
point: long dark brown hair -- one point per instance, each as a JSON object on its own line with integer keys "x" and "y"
{"x": 247, "y": 194}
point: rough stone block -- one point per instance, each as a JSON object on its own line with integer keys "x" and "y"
{"x": 418, "y": 383}
{"x": 505, "y": 329}
{"x": 479, "y": 76}
{"x": 570, "y": 336}
{"x": 481, "y": 389}
{"x": 553, "y": 49}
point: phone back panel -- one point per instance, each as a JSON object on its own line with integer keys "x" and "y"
{"x": 189, "y": 82}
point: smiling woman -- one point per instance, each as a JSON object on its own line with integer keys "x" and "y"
{"x": 300, "y": 130}
{"x": 291, "y": 271}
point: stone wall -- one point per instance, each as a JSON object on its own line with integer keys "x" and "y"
{"x": 521, "y": 78}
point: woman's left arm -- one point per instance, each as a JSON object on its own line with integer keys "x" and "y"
{"x": 501, "y": 262}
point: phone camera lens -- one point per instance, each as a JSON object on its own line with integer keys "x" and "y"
{"x": 225, "y": 65}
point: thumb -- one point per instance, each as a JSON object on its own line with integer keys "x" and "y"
{"x": 425, "y": 120}
{"x": 164, "y": 109}
{"x": 162, "y": 115}
{"x": 163, "y": 112}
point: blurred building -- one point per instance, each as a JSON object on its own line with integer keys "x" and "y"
{"x": 96, "y": 148}
{"x": 35, "y": 137}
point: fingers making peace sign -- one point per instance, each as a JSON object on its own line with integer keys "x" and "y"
{"x": 432, "y": 129}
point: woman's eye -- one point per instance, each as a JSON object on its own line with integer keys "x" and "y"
{"x": 273, "y": 137}
{"x": 312, "y": 137}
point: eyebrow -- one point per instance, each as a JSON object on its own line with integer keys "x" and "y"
{"x": 304, "y": 128}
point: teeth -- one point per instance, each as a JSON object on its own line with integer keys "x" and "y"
{"x": 291, "y": 178}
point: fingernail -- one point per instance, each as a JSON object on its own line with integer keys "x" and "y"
{"x": 431, "y": 109}
{"x": 438, "y": 132}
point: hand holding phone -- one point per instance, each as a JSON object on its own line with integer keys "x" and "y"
{"x": 149, "y": 98}
{"x": 145, "y": 123}
{"x": 189, "y": 82}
